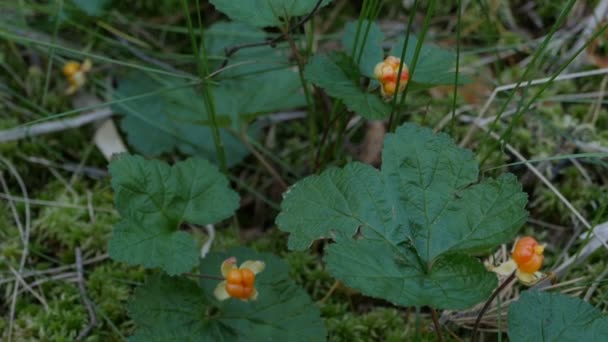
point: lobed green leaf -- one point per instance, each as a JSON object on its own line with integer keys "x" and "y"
{"x": 154, "y": 199}
{"x": 405, "y": 232}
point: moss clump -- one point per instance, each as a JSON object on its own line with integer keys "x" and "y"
{"x": 65, "y": 228}
{"x": 62, "y": 322}
{"x": 380, "y": 324}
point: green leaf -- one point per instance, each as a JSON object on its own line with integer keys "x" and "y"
{"x": 372, "y": 53}
{"x": 326, "y": 73}
{"x": 153, "y": 200}
{"x": 244, "y": 62}
{"x": 92, "y": 7}
{"x": 173, "y": 309}
{"x": 435, "y": 65}
{"x": 266, "y": 12}
{"x": 176, "y": 309}
{"x": 405, "y": 233}
{"x": 171, "y": 120}
{"x": 177, "y": 118}
{"x": 257, "y": 81}
{"x": 544, "y": 316}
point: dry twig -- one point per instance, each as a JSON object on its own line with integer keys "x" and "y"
{"x": 85, "y": 299}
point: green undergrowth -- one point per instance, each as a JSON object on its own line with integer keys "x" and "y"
{"x": 552, "y": 127}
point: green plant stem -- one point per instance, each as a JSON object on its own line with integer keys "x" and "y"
{"x": 334, "y": 117}
{"x": 201, "y": 61}
{"x": 47, "y": 79}
{"x": 436, "y": 324}
{"x": 453, "y": 119}
{"x": 391, "y": 117}
{"x": 488, "y": 302}
{"x": 312, "y": 124}
{"x": 425, "y": 27}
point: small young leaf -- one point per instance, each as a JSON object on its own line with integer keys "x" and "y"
{"x": 372, "y": 51}
{"x": 544, "y": 316}
{"x": 328, "y": 74}
{"x": 413, "y": 223}
{"x": 154, "y": 198}
{"x": 175, "y": 308}
{"x": 267, "y": 12}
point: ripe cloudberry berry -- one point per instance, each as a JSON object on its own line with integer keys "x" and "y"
{"x": 239, "y": 282}
{"x": 386, "y": 72}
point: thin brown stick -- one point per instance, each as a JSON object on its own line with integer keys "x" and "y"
{"x": 487, "y": 304}
{"x": 272, "y": 42}
{"x": 436, "y": 324}
{"x": 85, "y": 299}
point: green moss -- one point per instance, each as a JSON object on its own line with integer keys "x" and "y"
{"x": 62, "y": 322}
{"x": 380, "y": 324}
{"x": 64, "y": 229}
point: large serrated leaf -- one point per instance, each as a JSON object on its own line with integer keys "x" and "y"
{"x": 543, "y": 316}
{"x": 177, "y": 119}
{"x": 263, "y": 13}
{"x": 421, "y": 216}
{"x": 327, "y": 74}
{"x": 154, "y": 198}
{"x": 176, "y": 309}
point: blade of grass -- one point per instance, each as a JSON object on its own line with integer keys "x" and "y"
{"x": 427, "y": 20}
{"x": 391, "y": 118}
{"x": 453, "y": 120}
{"x": 521, "y": 111}
{"x": 79, "y": 54}
{"x": 562, "y": 17}
{"x": 49, "y": 65}
{"x": 559, "y": 157}
{"x": 202, "y": 67}
{"x": 104, "y": 104}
